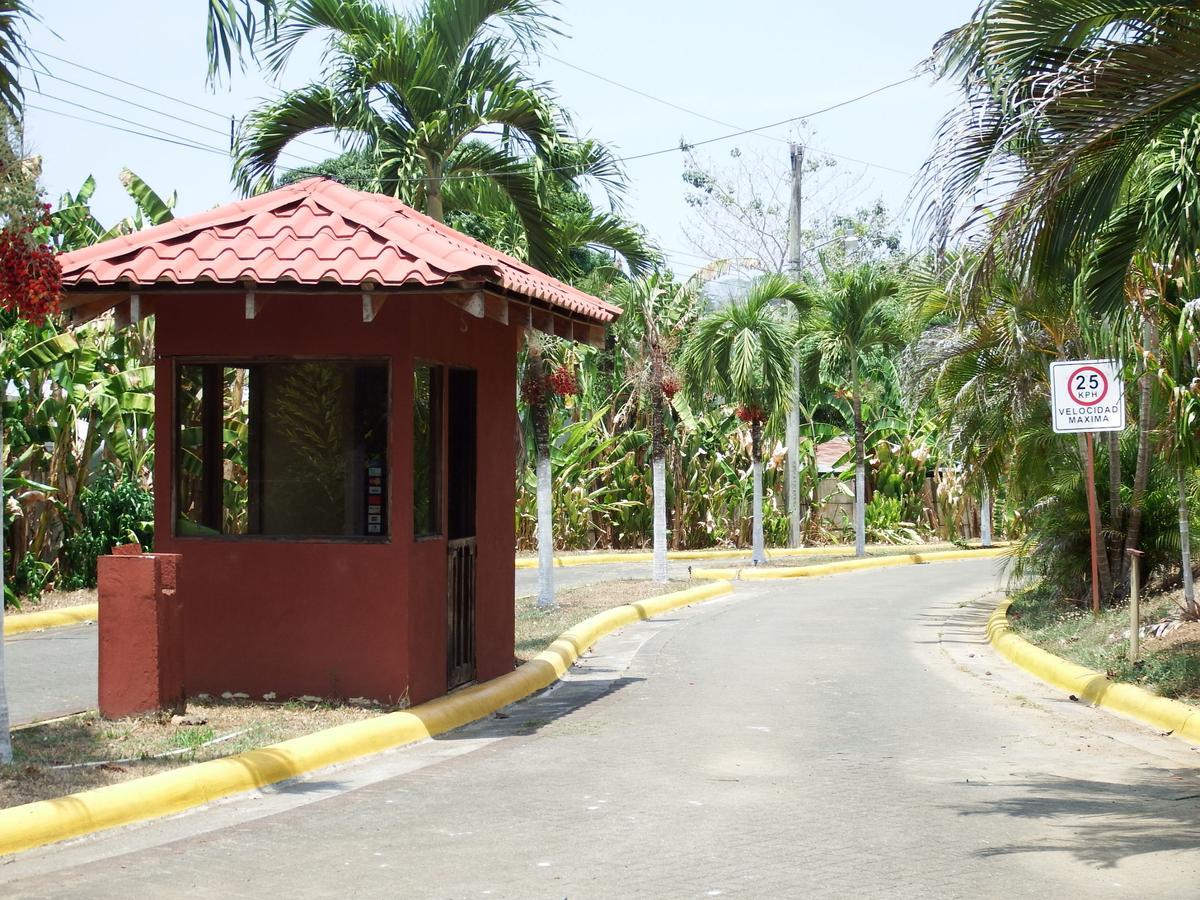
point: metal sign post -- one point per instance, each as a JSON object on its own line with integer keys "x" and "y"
{"x": 1086, "y": 396}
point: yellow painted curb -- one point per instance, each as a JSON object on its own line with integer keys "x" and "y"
{"x": 51, "y": 618}
{"x": 47, "y": 821}
{"x": 596, "y": 559}
{"x": 848, "y": 565}
{"x": 1091, "y": 686}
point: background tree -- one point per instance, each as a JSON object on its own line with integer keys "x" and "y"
{"x": 234, "y": 27}
{"x": 856, "y": 320}
{"x": 438, "y": 98}
{"x": 30, "y": 283}
{"x": 743, "y": 355}
{"x": 15, "y": 16}
{"x": 657, "y": 314}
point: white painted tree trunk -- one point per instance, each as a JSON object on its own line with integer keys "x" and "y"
{"x": 860, "y": 510}
{"x": 793, "y": 458}
{"x": 860, "y": 470}
{"x": 545, "y": 534}
{"x": 985, "y": 517}
{"x": 759, "y": 555}
{"x": 659, "y": 465}
{"x": 5, "y": 736}
{"x": 1185, "y": 544}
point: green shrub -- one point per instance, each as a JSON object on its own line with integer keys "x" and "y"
{"x": 885, "y": 523}
{"x": 115, "y": 511}
{"x": 1172, "y": 673}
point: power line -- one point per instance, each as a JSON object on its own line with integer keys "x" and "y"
{"x": 615, "y": 83}
{"x": 204, "y": 109}
{"x": 131, "y": 84}
{"x": 708, "y": 118}
{"x": 641, "y": 93}
{"x": 153, "y": 137}
{"x": 683, "y": 146}
{"x": 137, "y": 124}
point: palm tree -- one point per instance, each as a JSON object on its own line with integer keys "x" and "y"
{"x": 438, "y": 98}
{"x": 657, "y": 313}
{"x": 856, "y": 321}
{"x": 234, "y": 27}
{"x": 743, "y": 355}
{"x": 1060, "y": 100}
{"x": 536, "y": 391}
{"x": 14, "y": 53}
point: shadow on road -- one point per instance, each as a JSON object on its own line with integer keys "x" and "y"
{"x": 1110, "y": 822}
{"x": 532, "y": 715}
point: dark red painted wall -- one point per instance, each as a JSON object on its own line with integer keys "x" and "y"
{"x": 342, "y": 619}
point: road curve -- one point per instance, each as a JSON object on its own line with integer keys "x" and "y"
{"x": 834, "y": 737}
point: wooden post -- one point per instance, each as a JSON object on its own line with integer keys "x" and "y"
{"x": 1135, "y": 613}
{"x": 1094, "y": 522}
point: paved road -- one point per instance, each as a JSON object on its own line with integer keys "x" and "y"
{"x": 838, "y": 737}
{"x": 51, "y": 673}
{"x": 70, "y": 653}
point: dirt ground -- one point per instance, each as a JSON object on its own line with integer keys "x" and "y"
{"x": 54, "y": 600}
{"x": 536, "y": 629}
{"x": 79, "y": 752}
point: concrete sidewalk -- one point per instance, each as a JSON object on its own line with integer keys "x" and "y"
{"x": 834, "y": 737}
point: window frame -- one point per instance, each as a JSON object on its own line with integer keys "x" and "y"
{"x": 252, "y": 364}
{"x": 437, "y": 427}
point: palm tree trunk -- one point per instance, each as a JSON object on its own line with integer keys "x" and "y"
{"x": 1185, "y": 541}
{"x": 5, "y": 737}
{"x": 1141, "y": 472}
{"x": 659, "y": 466}
{"x": 985, "y": 516}
{"x": 545, "y": 509}
{"x": 545, "y": 533}
{"x": 434, "y": 206}
{"x": 759, "y": 554}
{"x": 860, "y": 478}
{"x": 1116, "y": 517}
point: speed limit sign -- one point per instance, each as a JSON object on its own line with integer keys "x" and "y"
{"x": 1087, "y": 395}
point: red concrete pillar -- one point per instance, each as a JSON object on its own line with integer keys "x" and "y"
{"x": 141, "y": 633}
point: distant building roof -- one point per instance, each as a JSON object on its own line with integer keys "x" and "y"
{"x": 830, "y": 453}
{"x": 312, "y": 233}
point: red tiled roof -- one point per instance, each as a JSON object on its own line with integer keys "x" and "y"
{"x": 828, "y": 454}
{"x": 315, "y": 232}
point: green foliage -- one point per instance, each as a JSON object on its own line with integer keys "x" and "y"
{"x": 114, "y": 510}
{"x": 742, "y": 354}
{"x": 885, "y": 522}
{"x": 1055, "y": 550}
{"x": 1064, "y": 628}
{"x": 15, "y": 16}
{"x": 422, "y": 93}
{"x": 355, "y": 169}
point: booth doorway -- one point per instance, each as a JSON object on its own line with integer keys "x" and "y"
{"x": 461, "y": 435}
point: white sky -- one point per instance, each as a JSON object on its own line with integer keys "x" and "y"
{"x": 746, "y": 63}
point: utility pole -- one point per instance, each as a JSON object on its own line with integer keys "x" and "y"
{"x": 795, "y": 266}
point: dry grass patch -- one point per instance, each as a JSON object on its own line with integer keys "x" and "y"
{"x": 819, "y": 559}
{"x": 54, "y": 600}
{"x": 536, "y": 629}
{"x": 84, "y": 751}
